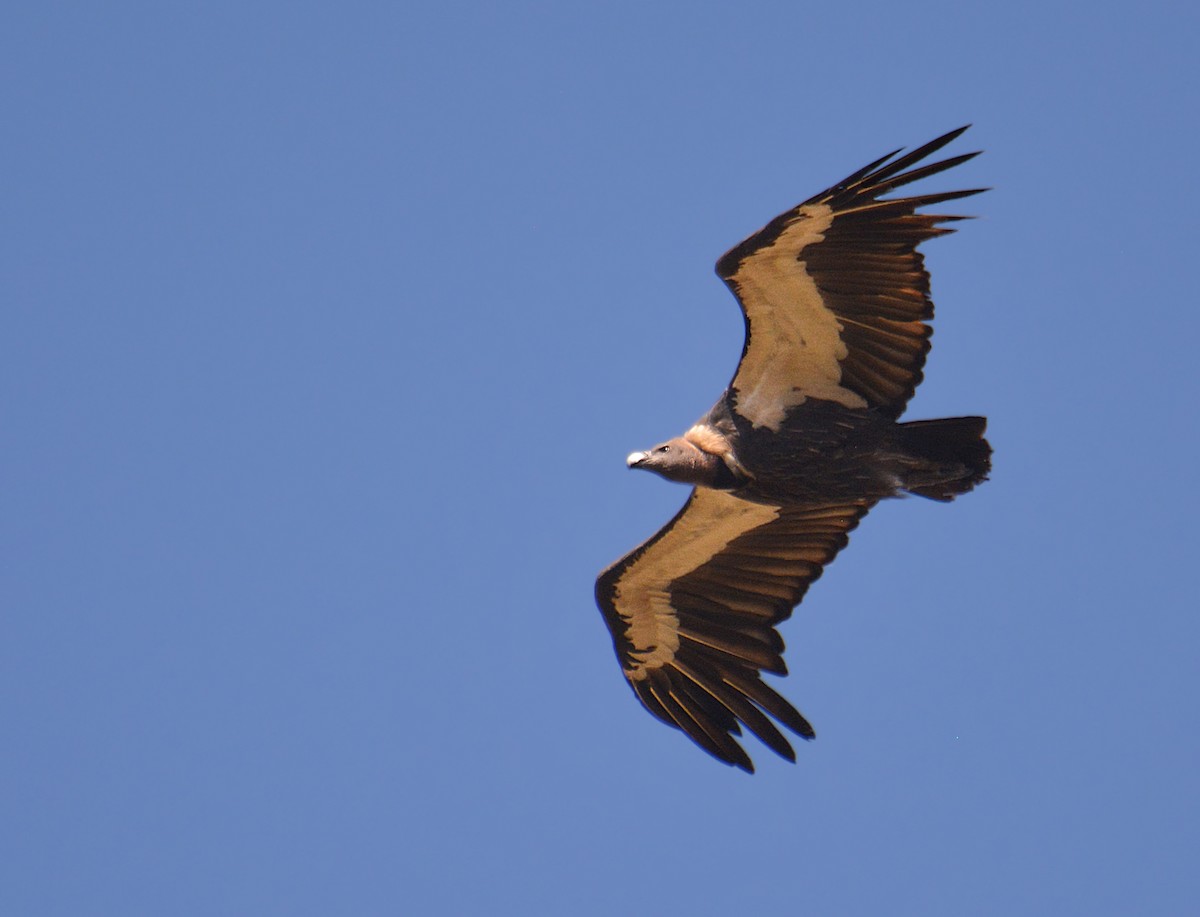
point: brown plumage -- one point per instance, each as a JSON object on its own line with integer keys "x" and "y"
{"x": 800, "y": 446}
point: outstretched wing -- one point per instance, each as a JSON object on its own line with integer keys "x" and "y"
{"x": 693, "y": 611}
{"x": 836, "y": 296}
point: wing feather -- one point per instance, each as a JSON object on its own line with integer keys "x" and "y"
{"x": 693, "y": 614}
{"x": 739, "y": 708}
{"x": 835, "y": 294}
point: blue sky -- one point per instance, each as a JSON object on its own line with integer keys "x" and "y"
{"x": 327, "y": 330}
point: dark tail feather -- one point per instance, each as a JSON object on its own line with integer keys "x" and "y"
{"x": 951, "y": 456}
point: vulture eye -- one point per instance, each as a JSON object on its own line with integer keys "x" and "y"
{"x": 663, "y": 449}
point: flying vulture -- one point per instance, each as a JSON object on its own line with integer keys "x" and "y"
{"x": 802, "y": 444}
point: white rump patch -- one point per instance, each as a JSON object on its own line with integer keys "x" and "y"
{"x": 711, "y": 521}
{"x": 795, "y": 339}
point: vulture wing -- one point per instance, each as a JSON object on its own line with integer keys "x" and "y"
{"x": 836, "y": 296}
{"x": 693, "y": 611}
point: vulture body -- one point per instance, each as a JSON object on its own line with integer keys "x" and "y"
{"x": 802, "y": 444}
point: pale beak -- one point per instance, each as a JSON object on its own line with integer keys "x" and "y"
{"x": 636, "y": 458}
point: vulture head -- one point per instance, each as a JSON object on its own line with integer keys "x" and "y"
{"x": 680, "y": 460}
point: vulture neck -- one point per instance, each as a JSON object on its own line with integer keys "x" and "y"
{"x": 714, "y": 461}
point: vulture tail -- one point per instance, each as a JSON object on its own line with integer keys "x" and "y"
{"x": 949, "y": 456}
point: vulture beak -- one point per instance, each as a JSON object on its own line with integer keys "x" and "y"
{"x": 636, "y": 458}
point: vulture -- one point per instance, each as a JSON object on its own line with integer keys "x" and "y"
{"x": 805, "y": 440}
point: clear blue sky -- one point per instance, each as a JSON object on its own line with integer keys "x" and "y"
{"x": 327, "y": 328}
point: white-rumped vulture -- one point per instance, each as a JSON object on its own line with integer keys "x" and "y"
{"x": 802, "y": 444}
